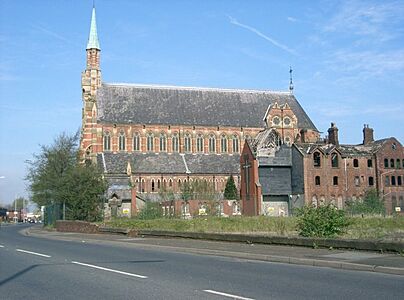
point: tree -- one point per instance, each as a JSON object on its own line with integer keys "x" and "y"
{"x": 57, "y": 177}
{"x": 47, "y": 169}
{"x": 83, "y": 192}
{"x": 230, "y": 191}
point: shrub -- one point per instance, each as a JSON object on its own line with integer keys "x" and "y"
{"x": 324, "y": 221}
{"x": 151, "y": 210}
{"x": 371, "y": 204}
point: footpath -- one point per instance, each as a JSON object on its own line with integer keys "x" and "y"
{"x": 389, "y": 263}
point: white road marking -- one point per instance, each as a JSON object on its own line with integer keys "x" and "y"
{"x": 110, "y": 270}
{"x": 227, "y": 295}
{"x": 1, "y": 246}
{"x": 33, "y": 253}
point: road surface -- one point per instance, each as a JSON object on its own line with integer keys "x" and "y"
{"x": 37, "y": 268}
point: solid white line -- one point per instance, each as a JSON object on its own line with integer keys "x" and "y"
{"x": 33, "y": 253}
{"x": 227, "y": 295}
{"x": 110, "y": 270}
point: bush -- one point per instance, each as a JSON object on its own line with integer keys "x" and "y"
{"x": 371, "y": 204}
{"x": 150, "y": 211}
{"x": 324, "y": 221}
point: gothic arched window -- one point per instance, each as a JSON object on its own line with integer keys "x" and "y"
{"x": 199, "y": 143}
{"x": 223, "y": 143}
{"x": 136, "y": 142}
{"x": 317, "y": 159}
{"x": 187, "y": 142}
{"x": 150, "y": 142}
{"x": 235, "y": 144}
{"x": 122, "y": 143}
{"x": 212, "y": 143}
{"x": 334, "y": 160}
{"x": 163, "y": 142}
{"x": 107, "y": 141}
{"x": 174, "y": 141}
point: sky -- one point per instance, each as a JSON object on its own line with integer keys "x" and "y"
{"x": 347, "y": 59}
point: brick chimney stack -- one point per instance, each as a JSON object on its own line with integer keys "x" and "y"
{"x": 367, "y": 134}
{"x": 333, "y": 135}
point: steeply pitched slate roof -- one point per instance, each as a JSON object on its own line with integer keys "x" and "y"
{"x": 169, "y": 105}
{"x": 165, "y": 163}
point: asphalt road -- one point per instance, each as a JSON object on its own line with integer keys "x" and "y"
{"x": 36, "y": 268}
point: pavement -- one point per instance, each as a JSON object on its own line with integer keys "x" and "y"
{"x": 389, "y": 263}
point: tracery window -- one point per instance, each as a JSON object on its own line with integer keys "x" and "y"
{"x": 223, "y": 143}
{"x": 187, "y": 142}
{"x": 107, "y": 141}
{"x": 150, "y": 142}
{"x": 136, "y": 142}
{"x": 235, "y": 144}
{"x": 122, "y": 139}
{"x": 276, "y": 121}
{"x": 286, "y": 121}
{"x": 163, "y": 142}
{"x": 212, "y": 143}
{"x": 174, "y": 142}
{"x": 199, "y": 143}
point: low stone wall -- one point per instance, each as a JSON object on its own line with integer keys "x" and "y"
{"x": 76, "y": 226}
{"x": 368, "y": 245}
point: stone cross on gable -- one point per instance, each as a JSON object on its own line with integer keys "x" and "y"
{"x": 114, "y": 203}
{"x": 246, "y": 167}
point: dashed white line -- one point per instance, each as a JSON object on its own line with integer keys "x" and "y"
{"x": 109, "y": 270}
{"x": 33, "y": 253}
{"x": 1, "y": 246}
{"x": 227, "y": 295}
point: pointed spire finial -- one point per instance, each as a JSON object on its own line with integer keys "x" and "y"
{"x": 291, "y": 81}
{"x": 93, "y": 37}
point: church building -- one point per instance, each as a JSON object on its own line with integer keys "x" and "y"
{"x": 153, "y": 138}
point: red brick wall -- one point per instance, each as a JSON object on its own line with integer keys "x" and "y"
{"x": 251, "y": 201}
{"x": 392, "y": 194}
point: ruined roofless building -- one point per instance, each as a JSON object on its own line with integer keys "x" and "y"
{"x": 276, "y": 179}
{"x": 147, "y": 138}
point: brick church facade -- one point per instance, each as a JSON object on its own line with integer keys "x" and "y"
{"x": 147, "y": 138}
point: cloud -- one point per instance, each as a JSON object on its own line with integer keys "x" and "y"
{"x": 342, "y": 110}
{"x": 291, "y": 19}
{"x": 53, "y": 34}
{"x": 367, "y": 63}
{"x": 367, "y": 20}
{"x": 260, "y": 34}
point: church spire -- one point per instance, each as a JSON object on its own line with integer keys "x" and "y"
{"x": 93, "y": 37}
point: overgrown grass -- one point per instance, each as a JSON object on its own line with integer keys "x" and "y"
{"x": 266, "y": 225}
{"x": 388, "y": 228}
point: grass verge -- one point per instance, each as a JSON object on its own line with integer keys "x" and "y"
{"x": 386, "y": 228}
